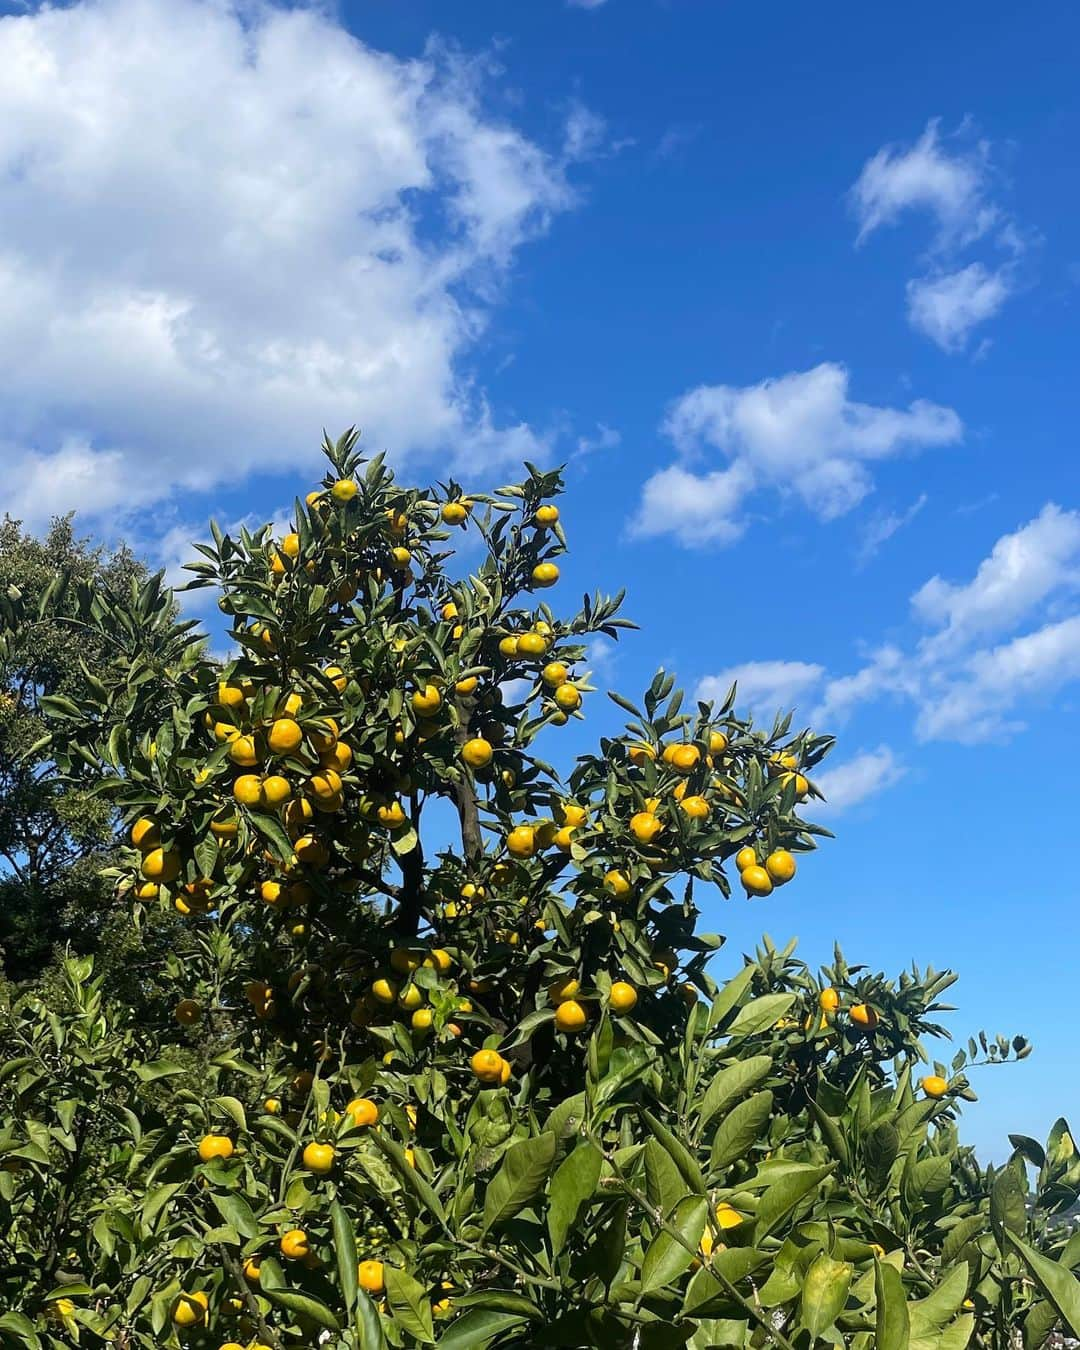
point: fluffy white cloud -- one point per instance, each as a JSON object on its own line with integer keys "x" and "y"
{"x": 950, "y": 184}
{"x": 946, "y": 307}
{"x": 868, "y": 773}
{"x": 799, "y": 433}
{"x": 764, "y": 687}
{"x": 225, "y": 226}
{"x": 976, "y": 701}
{"x": 963, "y": 680}
{"x": 1023, "y": 569}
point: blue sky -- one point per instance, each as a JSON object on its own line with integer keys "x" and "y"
{"x": 793, "y": 290}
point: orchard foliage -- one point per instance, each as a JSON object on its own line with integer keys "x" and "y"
{"x": 440, "y": 1056}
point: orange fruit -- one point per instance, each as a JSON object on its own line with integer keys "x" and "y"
{"x": 477, "y": 752}
{"x": 190, "y": 1309}
{"x": 369, "y": 1275}
{"x": 567, "y": 698}
{"x": 934, "y": 1085}
{"x": 622, "y": 997}
{"x": 864, "y": 1016}
{"x": 746, "y": 857}
{"x": 318, "y": 1158}
{"x": 284, "y": 736}
{"x": 521, "y": 841}
{"x": 554, "y": 674}
{"x": 697, "y": 808}
{"x": 160, "y": 865}
{"x": 756, "y": 881}
{"x": 828, "y": 1000}
{"x": 487, "y": 1065}
{"x": 294, "y": 1245}
{"x": 547, "y": 515}
{"x": 780, "y": 866}
{"x": 617, "y": 883}
{"x": 215, "y": 1146}
{"x": 363, "y": 1111}
{"x": 545, "y": 574}
{"x": 571, "y": 1016}
{"x": 145, "y": 834}
{"x": 645, "y": 826}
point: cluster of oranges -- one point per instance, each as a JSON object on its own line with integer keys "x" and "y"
{"x": 759, "y": 878}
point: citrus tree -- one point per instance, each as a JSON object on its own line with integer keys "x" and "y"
{"x": 439, "y": 1055}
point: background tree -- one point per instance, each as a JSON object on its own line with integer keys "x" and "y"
{"x": 55, "y": 835}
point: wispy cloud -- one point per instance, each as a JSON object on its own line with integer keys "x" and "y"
{"x": 881, "y": 527}
{"x": 763, "y": 686}
{"x": 859, "y": 778}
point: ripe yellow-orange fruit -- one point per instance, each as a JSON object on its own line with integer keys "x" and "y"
{"x": 572, "y": 814}
{"x": 187, "y": 1012}
{"x": 934, "y": 1085}
{"x": 224, "y": 827}
{"x": 326, "y": 785}
{"x": 324, "y": 735}
{"x": 547, "y": 515}
{"x": 338, "y": 758}
{"x": 422, "y": 1019}
{"x": 410, "y": 998}
{"x": 294, "y": 1244}
{"x": 864, "y": 1016}
{"x": 248, "y": 790}
{"x": 532, "y": 644}
{"x": 384, "y": 990}
{"x": 242, "y": 751}
{"x": 362, "y": 1111}
{"x": 369, "y": 1276}
{"x": 400, "y": 557}
{"x": 617, "y": 883}
{"x": 718, "y": 742}
{"x": 391, "y": 815}
{"x": 780, "y": 866}
{"x": 190, "y": 1309}
{"x": 439, "y": 960}
{"x": 275, "y": 789}
{"x": 645, "y": 826}
{"x": 405, "y": 960}
{"x": 697, "y": 808}
{"x": 746, "y": 857}
{"x": 344, "y": 490}
{"x": 545, "y": 574}
{"x": 508, "y": 646}
{"x": 319, "y": 1158}
{"x": 564, "y": 838}
{"x": 684, "y": 757}
{"x": 273, "y": 893}
{"x": 272, "y": 1106}
{"x": 455, "y": 513}
{"x": 229, "y": 695}
{"x": 554, "y": 674}
{"x": 802, "y": 787}
{"x": 147, "y": 891}
{"x": 567, "y": 698}
{"x": 756, "y": 881}
{"x": 215, "y": 1146}
{"x": 727, "y": 1216}
{"x": 564, "y": 988}
{"x": 487, "y": 1065}
{"x": 284, "y": 736}
{"x": 449, "y": 611}
{"x": 311, "y": 852}
{"x": 828, "y": 1000}
{"x": 640, "y": 753}
{"x": 477, "y": 752}
{"x": 521, "y": 841}
{"x": 570, "y": 1016}
{"x": 160, "y": 865}
{"x": 145, "y": 834}
{"x": 466, "y": 686}
{"x": 623, "y": 996}
{"x": 426, "y": 702}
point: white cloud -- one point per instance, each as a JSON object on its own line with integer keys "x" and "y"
{"x": 951, "y": 185}
{"x": 605, "y": 438}
{"x": 1023, "y": 569}
{"x": 798, "y": 433}
{"x": 947, "y": 306}
{"x": 975, "y": 701}
{"x": 585, "y": 4}
{"x": 764, "y": 687}
{"x": 225, "y": 226}
{"x": 852, "y": 782}
{"x": 964, "y": 682}
{"x": 882, "y": 526}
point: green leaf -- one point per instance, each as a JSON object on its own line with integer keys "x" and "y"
{"x": 572, "y": 1185}
{"x": 1007, "y": 1208}
{"x": 670, "y": 1253}
{"x": 729, "y": 1084}
{"x": 892, "y": 1325}
{"x": 824, "y": 1293}
{"x": 784, "y": 1194}
{"x": 477, "y": 1328}
{"x": 880, "y": 1150}
{"x": 158, "y": 1068}
{"x": 741, "y": 1129}
{"x": 761, "y": 1014}
{"x": 731, "y": 995}
{"x": 234, "y": 1108}
{"x": 519, "y": 1179}
{"x": 345, "y": 1251}
{"x": 368, "y": 1322}
{"x": 663, "y": 1180}
{"x": 409, "y": 1175}
{"x": 408, "y": 1303}
{"x": 20, "y": 1328}
{"x": 1059, "y": 1285}
{"x": 305, "y": 1305}
{"x": 235, "y": 1210}
{"x": 679, "y": 1154}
